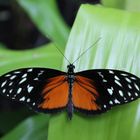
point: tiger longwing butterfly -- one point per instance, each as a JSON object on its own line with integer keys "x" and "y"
{"x": 90, "y": 92}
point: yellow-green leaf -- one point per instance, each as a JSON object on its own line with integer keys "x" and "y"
{"x": 130, "y": 5}
{"x": 118, "y": 48}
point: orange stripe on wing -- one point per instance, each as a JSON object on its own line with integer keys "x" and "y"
{"x": 85, "y": 94}
{"x": 55, "y": 93}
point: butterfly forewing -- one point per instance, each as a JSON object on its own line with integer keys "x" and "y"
{"x": 93, "y": 91}
{"x": 27, "y": 85}
{"x": 114, "y": 87}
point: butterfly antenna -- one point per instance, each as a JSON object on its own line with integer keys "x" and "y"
{"x": 86, "y": 50}
{"x": 61, "y": 53}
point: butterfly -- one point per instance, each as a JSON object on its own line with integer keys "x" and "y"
{"x": 90, "y": 92}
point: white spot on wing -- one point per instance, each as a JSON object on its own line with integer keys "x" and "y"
{"x": 104, "y": 80}
{"x": 129, "y": 94}
{"x": 110, "y": 71}
{"x": 3, "y": 84}
{"x": 118, "y": 83}
{"x": 13, "y": 98}
{"x": 128, "y": 80}
{"x": 24, "y": 75}
{"x": 10, "y": 90}
{"x": 10, "y": 83}
{"x": 136, "y": 86}
{"x": 124, "y": 74}
{"x": 7, "y": 75}
{"x": 23, "y": 80}
{"x": 116, "y": 77}
{"x": 110, "y": 102}
{"x": 29, "y": 88}
{"x": 105, "y": 106}
{"x": 41, "y": 72}
{"x": 121, "y": 93}
{"x": 110, "y": 91}
{"x": 100, "y": 74}
{"x": 136, "y": 93}
{"x": 116, "y": 101}
{"x": 16, "y": 72}
{"x": 36, "y": 79}
{"x": 129, "y": 86}
{"x": 22, "y": 99}
{"x": 4, "y": 90}
{"x": 134, "y": 78}
{"x": 28, "y": 100}
{"x": 30, "y": 70}
{"x": 19, "y": 90}
{"x": 12, "y": 77}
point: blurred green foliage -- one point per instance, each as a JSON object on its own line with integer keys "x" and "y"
{"x": 44, "y": 56}
{"x": 46, "y": 16}
{"x": 119, "y": 32}
{"x": 130, "y": 5}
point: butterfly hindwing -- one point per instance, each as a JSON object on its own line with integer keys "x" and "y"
{"x": 55, "y": 94}
{"x": 85, "y": 95}
{"x": 113, "y": 87}
{"x": 27, "y": 85}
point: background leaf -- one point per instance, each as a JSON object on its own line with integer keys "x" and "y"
{"x": 125, "y": 4}
{"x": 34, "y": 128}
{"x": 118, "y": 48}
{"x": 46, "y": 16}
{"x": 45, "y": 56}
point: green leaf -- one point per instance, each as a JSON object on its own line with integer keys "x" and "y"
{"x": 46, "y": 16}
{"x": 118, "y": 48}
{"x": 34, "y": 128}
{"x": 45, "y": 56}
{"x": 130, "y": 5}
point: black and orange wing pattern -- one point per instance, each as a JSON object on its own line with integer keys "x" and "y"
{"x": 36, "y": 87}
{"x": 85, "y": 94}
{"x": 93, "y": 91}
{"x": 96, "y": 91}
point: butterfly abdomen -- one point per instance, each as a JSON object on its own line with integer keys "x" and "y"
{"x": 70, "y": 104}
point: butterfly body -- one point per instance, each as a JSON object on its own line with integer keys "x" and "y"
{"x": 70, "y": 79}
{"x": 89, "y": 92}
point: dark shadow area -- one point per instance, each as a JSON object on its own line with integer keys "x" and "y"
{"x": 17, "y": 31}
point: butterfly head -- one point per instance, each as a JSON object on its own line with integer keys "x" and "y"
{"x": 71, "y": 68}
